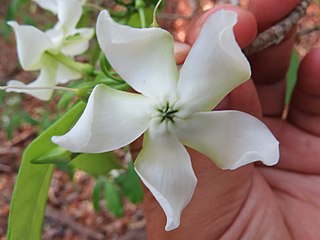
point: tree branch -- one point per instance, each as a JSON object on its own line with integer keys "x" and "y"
{"x": 276, "y": 33}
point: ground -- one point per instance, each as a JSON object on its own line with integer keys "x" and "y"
{"x": 70, "y": 214}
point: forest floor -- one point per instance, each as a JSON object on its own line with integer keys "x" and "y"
{"x": 70, "y": 214}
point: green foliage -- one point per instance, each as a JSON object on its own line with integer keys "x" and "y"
{"x": 292, "y": 75}
{"x": 113, "y": 198}
{"x": 31, "y": 188}
{"x": 130, "y": 185}
{"x": 66, "y": 168}
{"x": 13, "y": 116}
{"x": 11, "y": 14}
{"x": 42, "y": 156}
{"x": 97, "y": 193}
{"x": 115, "y": 187}
{"x": 96, "y": 165}
{"x": 134, "y": 20}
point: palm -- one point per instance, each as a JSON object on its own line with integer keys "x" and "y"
{"x": 294, "y": 183}
{"x": 258, "y": 202}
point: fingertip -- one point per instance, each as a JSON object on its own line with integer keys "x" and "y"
{"x": 309, "y": 73}
{"x": 245, "y": 30}
{"x": 304, "y": 109}
{"x": 181, "y": 51}
{"x": 245, "y": 98}
{"x": 269, "y": 12}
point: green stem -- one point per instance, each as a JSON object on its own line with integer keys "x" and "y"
{"x": 83, "y": 68}
{"x": 72, "y": 90}
{"x": 142, "y": 17}
{"x": 154, "y": 22}
{"x": 139, "y": 4}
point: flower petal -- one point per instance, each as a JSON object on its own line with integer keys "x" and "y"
{"x": 111, "y": 119}
{"x": 50, "y": 5}
{"x": 57, "y": 38}
{"x": 143, "y": 57}
{"x": 46, "y": 79}
{"x": 78, "y": 42}
{"x": 165, "y": 168}
{"x": 68, "y": 21}
{"x": 31, "y": 44}
{"x": 66, "y": 74}
{"x": 230, "y": 138}
{"x": 214, "y": 66}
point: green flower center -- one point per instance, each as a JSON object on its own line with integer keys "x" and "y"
{"x": 167, "y": 113}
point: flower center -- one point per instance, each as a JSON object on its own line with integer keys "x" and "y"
{"x": 167, "y": 113}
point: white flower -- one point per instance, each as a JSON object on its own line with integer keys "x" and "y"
{"x": 37, "y": 49}
{"x": 174, "y": 108}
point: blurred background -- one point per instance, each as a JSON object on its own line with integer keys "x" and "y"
{"x": 70, "y": 213}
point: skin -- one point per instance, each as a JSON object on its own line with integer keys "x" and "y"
{"x": 255, "y": 201}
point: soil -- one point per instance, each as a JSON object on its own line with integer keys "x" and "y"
{"x": 70, "y": 214}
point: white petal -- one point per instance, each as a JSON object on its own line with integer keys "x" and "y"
{"x": 143, "y": 57}
{"x": 80, "y": 45}
{"x": 31, "y": 44}
{"x": 214, "y": 66}
{"x": 69, "y": 14}
{"x": 46, "y": 79}
{"x": 57, "y": 37}
{"x": 230, "y": 138}
{"x": 50, "y": 5}
{"x": 66, "y": 74}
{"x": 165, "y": 168}
{"x": 111, "y": 119}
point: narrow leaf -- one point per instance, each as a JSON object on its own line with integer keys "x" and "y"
{"x": 31, "y": 189}
{"x": 113, "y": 199}
{"x": 97, "y": 192}
{"x": 292, "y": 75}
{"x": 56, "y": 155}
{"x": 96, "y": 164}
{"x": 130, "y": 185}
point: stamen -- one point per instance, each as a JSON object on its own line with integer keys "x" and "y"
{"x": 167, "y": 113}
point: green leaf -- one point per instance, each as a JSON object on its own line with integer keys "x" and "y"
{"x": 113, "y": 199}
{"x": 134, "y": 20}
{"x": 11, "y": 14}
{"x": 66, "y": 168}
{"x": 96, "y": 164}
{"x": 97, "y": 192}
{"x": 31, "y": 189}
{"x": 292, "y": 75}
{"x": 55, "y": 155}
{"x": 65, "y": 99}
{"x": 130, "y": 185}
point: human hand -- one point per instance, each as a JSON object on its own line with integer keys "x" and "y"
{"x": 258, "y": 202}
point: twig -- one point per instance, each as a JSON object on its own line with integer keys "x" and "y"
{"x": 139, "y": 233}
{"x": 233, "y": 2}
{"x": 5, "y": 168}
{"x": 10, "y": 150}
{"x": 65, "y": 219}
{"x": 276, "y": 33}
{"x": 308, "y": 30}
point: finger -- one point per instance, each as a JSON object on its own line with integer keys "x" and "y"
{"x": 269, "y": 68}
{"x": 305, "y": 104}
{"x": 270, "y": 12}
{"x": 270, "y": 65}
{"x": 244, "y": 98}
{"x": 181, "y": 51}
{"x": 299, "y": 149}
{"x": 245, "y": 30}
